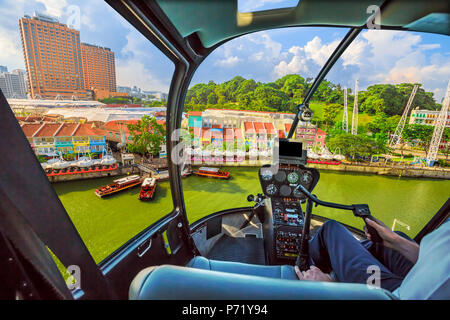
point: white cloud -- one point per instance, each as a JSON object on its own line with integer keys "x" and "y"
{"x": 54, "y": 7}
{"x": 305, "y": 60}
{"x": 228, "y": 62}
{"x": 132, "y": 68}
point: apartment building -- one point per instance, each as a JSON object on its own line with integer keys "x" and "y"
{"x": 52, "y": 53}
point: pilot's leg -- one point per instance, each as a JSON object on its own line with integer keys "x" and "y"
{"x": 335, "y": 248}
{"x": 393, "y": 260}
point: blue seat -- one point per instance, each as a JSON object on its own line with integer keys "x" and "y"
{"x": 277, "y": 272}
{"x": 201, "y": 280}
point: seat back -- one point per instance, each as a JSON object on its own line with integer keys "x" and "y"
{"x": 180, "y": 283}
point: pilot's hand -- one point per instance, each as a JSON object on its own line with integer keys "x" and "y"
{"x": 389, "y": 237}
{"x": 313, "y": 274}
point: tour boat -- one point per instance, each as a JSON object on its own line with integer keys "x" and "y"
{"x": 212, "y": 173}
{"x": 119, "y": 185}
{"x": 148, "y": 188}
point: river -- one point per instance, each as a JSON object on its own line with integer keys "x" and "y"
{"x": 106, "y": 224}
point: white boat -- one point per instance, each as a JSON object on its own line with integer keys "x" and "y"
{"x": 326, "y": 156}
{"x": 61, "y": 164}
{"x": 312, "y": 155}
{"x": 206, "y": 154}
{"x": 148, "y": 182}
{"x": 126, "y": 180}
{"x": 218, "y": 153}
{"x": 229, "y": 154}
{"x": 339, "y": 157}
{"x": 108, "y": 160}
{"x": 84, "y": 162}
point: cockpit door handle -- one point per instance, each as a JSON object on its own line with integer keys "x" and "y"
{"x": 144, "y": 247}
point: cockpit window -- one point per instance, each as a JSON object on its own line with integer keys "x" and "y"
{"x": 251, "y": 99}
{"x": 90, "y": 93}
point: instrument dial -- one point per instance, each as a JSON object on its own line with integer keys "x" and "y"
{"x": 280, "y": 176}
{"x": 297, "y": 193}
{"x": 285, "y": 190}
{"x": 306, "y": 178}
{"x": 266, "y": 175}
{"x": 293, "y": 177}
{"x": 271, "y": 189}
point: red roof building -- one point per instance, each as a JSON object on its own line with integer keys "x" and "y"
{"x": 270, "y": 129}
{"x": 248, "y": 127}
{"x": 259, "y": 127}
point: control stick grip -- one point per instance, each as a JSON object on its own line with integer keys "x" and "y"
{"x": 374, "y": 236}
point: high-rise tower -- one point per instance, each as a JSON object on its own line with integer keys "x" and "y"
{"x": 52, "y": 53}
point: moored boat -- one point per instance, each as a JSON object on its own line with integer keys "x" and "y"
{"x": 212, "y": 173}
{"x": 119, "y": 185}
{"x": 148, "y": 188}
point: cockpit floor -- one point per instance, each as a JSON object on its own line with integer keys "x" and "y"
{"x": 246, "y": 250}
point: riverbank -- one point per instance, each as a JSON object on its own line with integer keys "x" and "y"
{"x": 396, "y": 171}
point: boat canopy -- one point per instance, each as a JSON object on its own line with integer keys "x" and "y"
{"x": 126, "y": 179}
{"x": 149, "y": 182}
{"x": 209, "y": 169}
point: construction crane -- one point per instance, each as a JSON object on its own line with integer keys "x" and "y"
{"x": 355, "y": 111}
{"x": 345, "y": 117}
{"x": 396, "y": 137}
{"x": 439, "y": 126}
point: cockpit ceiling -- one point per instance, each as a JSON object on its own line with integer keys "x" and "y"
{"x": 217, "y": 20}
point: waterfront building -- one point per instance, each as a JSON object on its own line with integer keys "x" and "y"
{"x": 52, "y": 53}
{"x": 256, "y": 129}
{"x": 427, "y": 117}
{"x": 51, "y": 139}
{"x": 13, "y": 84}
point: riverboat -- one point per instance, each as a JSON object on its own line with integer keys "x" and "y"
{"x": 148, "y": 189}
{"x": 212, "y": 173}
{"x": 119, "y": 185}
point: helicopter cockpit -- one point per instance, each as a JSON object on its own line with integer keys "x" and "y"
{"x": 240, "y": 251}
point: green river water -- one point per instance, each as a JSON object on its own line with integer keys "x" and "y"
{"x": 106, "y": 224}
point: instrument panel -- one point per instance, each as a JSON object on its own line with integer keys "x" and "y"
{"x": 283, "y": 182}
{"x": 279, "y": 185}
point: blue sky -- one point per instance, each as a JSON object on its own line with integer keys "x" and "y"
{"x": 375, "y": 56}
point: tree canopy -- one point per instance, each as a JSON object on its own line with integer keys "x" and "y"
{"x": 147, "y": 136}
{"x": 283, "y": 94}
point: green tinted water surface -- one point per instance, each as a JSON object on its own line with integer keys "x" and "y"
{"x": 106, "y": 224}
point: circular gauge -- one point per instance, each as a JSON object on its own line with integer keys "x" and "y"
{"x": 280, "y": 176}
{"x": 285, "y": 190}
{"x": 297, "y": 193}
{"x": 293, "y": 177}
{"x": 271, "y": 189}
{"x": 266, "y": 174}
{"x": 306, "y": 177}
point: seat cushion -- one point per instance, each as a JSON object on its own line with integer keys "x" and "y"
{"x": 181, "y": 283}
{"x": 277, "y": 272}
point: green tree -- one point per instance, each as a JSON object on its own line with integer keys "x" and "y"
{"x": 147, "y": 136}
{"x": 356, "y": 145}
{"x": 330, "y": 112}
{"x": 418, "y": 134}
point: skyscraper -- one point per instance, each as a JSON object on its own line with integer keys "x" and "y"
{"x": 13, "y": 84}
{"x": 3, "y": 69}
{"x": 52, "y": 53}
{"x": 99, "y": 69}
